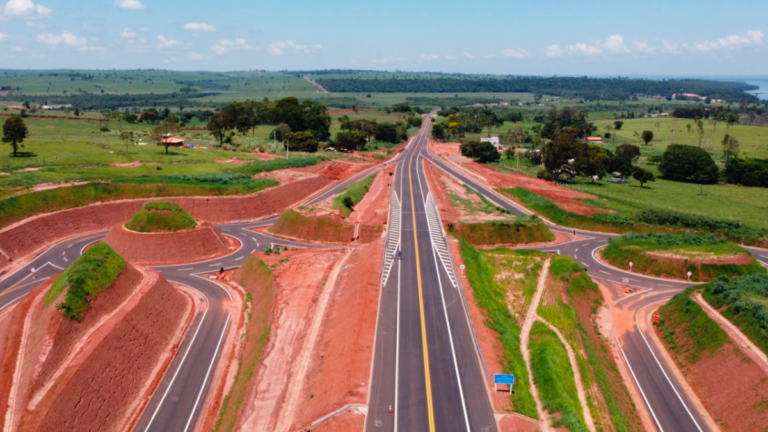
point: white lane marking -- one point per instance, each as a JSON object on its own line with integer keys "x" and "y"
{"x": 764, "y": 256}
{"x": 186, "y": 269}
{"x": 54, "y": 265}
{"x": 665, "y": 373}
{"x": 658, "y": 425}
{"x": 604, "y": 272}
{"x": 65, "y": 259}
{"x": 397, "y": 344}
{"x": 183, "y": 359}
{"x": 253, "y": 251}
{"x": 215, "y": 265}
{"x": 584, "y": 264}
{"x": 82, "y": 251}
{"x": 207, "y": 375}
{"x": 254, "y": 239}
{"x": 575, "y": 250}
{"x": 238, "y": 259}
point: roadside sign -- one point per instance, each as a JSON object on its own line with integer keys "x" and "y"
{"x": 656, "y": 318}
{"x": 503, "y": 379}
{"x": 462, "y": 267}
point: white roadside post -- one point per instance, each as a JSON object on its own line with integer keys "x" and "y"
{"x": 630, "y": 265}
{"x": 33, "y": 272}
{"x": 462, "y": 267}
{"x": 689, "y": 276}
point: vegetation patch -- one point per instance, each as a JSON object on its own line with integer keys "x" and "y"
{"x": 575, "y": 320}
{"x": 744, "y": 301}
{"x": 492, "y": 297}
{"x": 687, "y": 328}
{"x": 324, "y": 228}
{"x": 96, "y": 270}
{"x": 643, "y": 221}
{"x": 674, "y": 255}
{"x": 521, "y": 230}
{"x": 160, "y": 216}
{"x": 554, "y": 378}
{"x": 256, "y": 278}
{"x": 352, "y": 195}
{"x": 253, "y": 168}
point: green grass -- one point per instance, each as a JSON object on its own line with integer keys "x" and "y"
{"x": 19, "y": 207}
{"x": 688, "y": 329}
{"x": 256, "y": 278}
{"x": 595, "y": 364}
{"x": 689, "y": 248}
{"x": 520, "y": 230}
{"x": 468, "y": 205}
{"x": 744, "y": 301}
{"x": 294, "y": 224}
{"x": 159, "y": 216}
{"x": 353, "y": 194}
{"x": 491, "y": 297}
{"x": 553, "y": 376}
{"x": 95, "y": 270}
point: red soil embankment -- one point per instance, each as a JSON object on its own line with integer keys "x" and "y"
{"x": 35, "y": 233}
{"x": 565, "y": 198}
{"x": 374, "y": 208}
{"x": 99, "y": 373}
{"x": 342, "y": 170}
{"x": 341, "y": 363}
{"x": 203, "y": 242}
{"x": 324, "y": 229}
{"x": 300, "y": 278}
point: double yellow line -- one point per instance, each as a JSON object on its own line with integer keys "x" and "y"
{"x": 428, "y": 379}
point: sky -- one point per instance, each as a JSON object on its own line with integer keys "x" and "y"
{"x": 543, "y": 37}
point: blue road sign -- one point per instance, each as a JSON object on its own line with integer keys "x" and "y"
{"x": 503, "y": 379}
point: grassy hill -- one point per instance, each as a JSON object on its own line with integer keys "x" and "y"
{"x": 159, "y": 216}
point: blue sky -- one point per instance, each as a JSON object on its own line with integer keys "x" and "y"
{"x": 651, "y": 37}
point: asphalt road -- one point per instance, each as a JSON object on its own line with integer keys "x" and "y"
{"x": 668, "y": 404}
{"x": 425, "y": 363}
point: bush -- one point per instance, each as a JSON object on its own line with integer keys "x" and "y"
{"x": 545, "y": 175}
{"x": 483, "y": 152}
{"x": 303, "y": 142}
{"x": 747, "y": 172}
{"x": 686, "y": 163}
{"x": 96, "y": 270}
{"x": 257, "y": 167}
{"x": 744, "y": 298}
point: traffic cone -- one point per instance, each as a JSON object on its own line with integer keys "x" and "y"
{"x": 390, "y": 409}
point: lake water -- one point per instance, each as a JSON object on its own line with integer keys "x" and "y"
{"x": 761, "y": 93}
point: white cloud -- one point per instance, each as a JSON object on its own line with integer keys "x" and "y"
{"x": 24, "y": 9}
{"x": 388, "y": 60}
{"x": 225, "y": 45}
{"x": 513, "y": 53}
{"x": 3, "y": 37}
{"x": 195, "y": 56}
{"x": 199, "y": 26}
{"x": 450, "y": 57}
{"x": 733, "y": 42}
{"x": 428, "y": 57}
{"x": 130, "y": 4}
{"x": 642, "y": 47}
{"x": 615, "y": 44}
{"x": 554, "y": 50}
{"x": 280, "y": 48}
{"x": 129, "y": 34}
{"x": 69, "y": 39}
{"x": 468, "y": 55}
{"x": 164, "y": 42}
{"x": 584, "y": 49}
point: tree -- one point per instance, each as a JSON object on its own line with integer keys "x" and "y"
{"x": 218, "y": 126}
{"x": 686, "y": 163}
{"x": 164, "y": 130}
{"x": 591, "y": 160}
{"x": 618, "y": 124}
{"x": 127, "y": 137}
{"x": 647, "y": 136}
{"x": 350, "y": 141}
{"x": 483, "y": 152}
{"x": 730, "y": 147}
{"x": 643, "y": 176}
{"x": 563, "y": 148}
{"x": 628, "y": 151}
{"x": 387, "y": 132}
{"x": 302, "y": 141}
{"x": 14, "y": 133}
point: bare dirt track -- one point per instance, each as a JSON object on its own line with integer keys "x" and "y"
{"x": 203, "y": 242}
{"x": 99, "y": 373}
{"x": 36, "y": 233}
{"x": 565, "y": 198}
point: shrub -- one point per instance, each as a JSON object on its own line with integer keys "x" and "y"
{"x": 545, "y": 175}
{"x": 686, "y": 163}
{"x": 159, "y": 216}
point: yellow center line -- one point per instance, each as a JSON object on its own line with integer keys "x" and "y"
{"x": 430, "y": 409}
{"x": 17, "y": 287}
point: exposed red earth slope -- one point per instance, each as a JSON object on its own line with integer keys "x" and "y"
{"x": 203, "y": 242}
{"x": 99, "y": 373}
{"x": 35, "y": 233}
{"x": 565, "y": 198}
{"x": 341, "y": 362}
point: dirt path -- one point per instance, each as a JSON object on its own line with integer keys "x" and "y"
{"x": 322, "y": 89}
{"x": 291, "y": 398}
{"x": 525, "y": 336}
{"x": 740, "y": 339}
{"x": 577, "y": 376}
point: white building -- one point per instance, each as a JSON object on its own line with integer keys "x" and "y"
{"x": 494, "y": 141}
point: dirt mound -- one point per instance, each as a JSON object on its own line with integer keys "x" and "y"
{"x": 342, "y": 170}
{"x": 35, "y": 233}
{"x": 46, "y": 186}
{"x": 340, "y": 368}
{"x": 374, "y": 208}
{"x": 325, "y": 229}
{"x": 203, "y": 242}
{"x": 286, "y": 176}
{"x": 133, "y": 164}
{"x": 505, "y": 232}
{"x": 71, "y": 375}
{"x": 565, "y": 198}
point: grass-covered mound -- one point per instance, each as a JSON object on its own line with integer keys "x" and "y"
{"x": 521, "y": 230}
{"x": 89, "y": 275}
{"x": 674, "y": 255}
{"x": 352, "y": 195}
{"x": 744, "y": 301}
{"x": 323, "y": 228}
{"x": 159, "y": 216}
